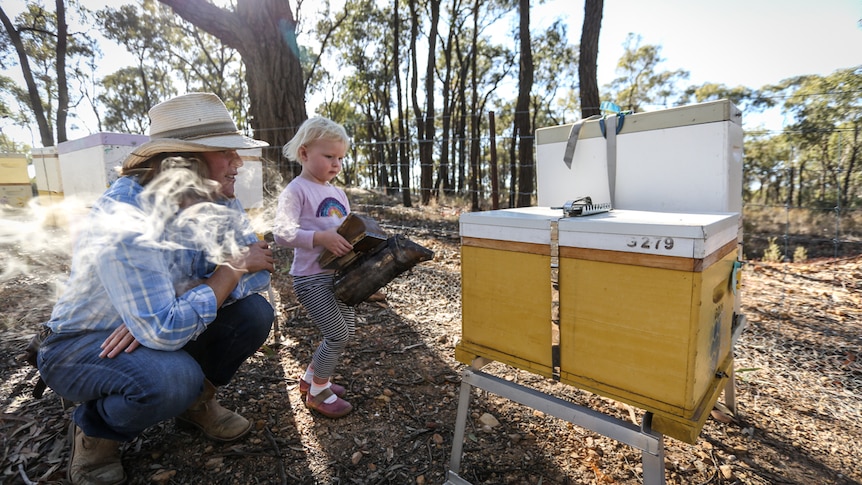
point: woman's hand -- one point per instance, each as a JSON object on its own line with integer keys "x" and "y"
{"x": 120, "y": 340}
{"x": 257, "y": 258}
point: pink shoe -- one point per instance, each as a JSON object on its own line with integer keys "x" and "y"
{"x": 304, "y": 386}
{"x": 336, "y": 409}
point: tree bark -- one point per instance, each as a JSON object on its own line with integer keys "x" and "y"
{"x": 460, "y": 128}
{"x": 587, "y": 67}
{"x": 474, "y": 111}
{"x": 522, "y": 110}
{"x": 32, "y": 90}
{"x": 62, "y": 83}
{"x": 403, "y": 160}
{"x": 264, "y": 33}
{"x": 414, "y": 82}
{"x": 443, "y": 185}
{"x": 426, "y": 147}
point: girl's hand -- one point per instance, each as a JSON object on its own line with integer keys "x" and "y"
{"x": 120, "y": 340}
{"x": 332, "y": 241}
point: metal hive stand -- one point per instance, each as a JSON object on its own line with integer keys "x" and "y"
{"x": 643, "y": 438}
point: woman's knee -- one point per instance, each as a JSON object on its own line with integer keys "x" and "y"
{"x": 173, "y": 391}
{"x": 257, "y": 314}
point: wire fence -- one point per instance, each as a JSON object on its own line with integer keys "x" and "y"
{"x": 818, "y": 226}
{"x": 770, "y": 232}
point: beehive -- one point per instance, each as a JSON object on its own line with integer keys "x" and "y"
{"x": 15, "y": 188}
{"x": 644, "y": 292}
{"x": 645, "y": 303}
{"x": 646, "y": 308}
{"x": 49, "y": 181}
{"x": 506, "y": 287}
{"x": 684, "y": 159}
{"x": 91, "y": 164}
{"x": 249, "y": 180}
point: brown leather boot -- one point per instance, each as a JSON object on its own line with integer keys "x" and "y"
{"x": 216, "y": 422}
{"x": 94, "y": 461}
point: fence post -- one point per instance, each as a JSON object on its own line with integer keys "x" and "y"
{"x": 495, "y": 193}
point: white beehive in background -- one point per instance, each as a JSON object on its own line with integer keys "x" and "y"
{"x": 249, "y": 181}
{"x": 85, "y": 167}
{"x": 49, "y": 181}
{"x": 685, "y": 159}
{"x": 91, "y": 164}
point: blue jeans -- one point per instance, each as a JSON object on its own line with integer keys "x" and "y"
{"x": 123, "y": 396}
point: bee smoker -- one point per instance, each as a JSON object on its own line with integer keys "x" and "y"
{"x": 376, "y": 268}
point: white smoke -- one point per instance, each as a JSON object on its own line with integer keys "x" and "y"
{"x": 175, "y": 214}
{"x": 38, "y": 241}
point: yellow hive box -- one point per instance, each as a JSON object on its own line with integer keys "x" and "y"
{"x": 13, "y": 169}
{"x": 506, "y": 287}
{"x": 646, "y": 309}
{"x": 645, "y": 304}
{"x": 15, "y": 195}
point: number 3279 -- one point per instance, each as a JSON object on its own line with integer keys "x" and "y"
{"x": 645, "y": 242}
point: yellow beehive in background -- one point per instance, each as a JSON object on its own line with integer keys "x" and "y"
{"x": 646, "y": 309}
{"x": 13, "y": 169}
{"x": 15, "y": 188}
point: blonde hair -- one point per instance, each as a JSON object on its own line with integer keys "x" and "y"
{"x": 317, "y": 128}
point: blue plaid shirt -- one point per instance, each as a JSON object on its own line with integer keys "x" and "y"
{"x": 129, "y": 267}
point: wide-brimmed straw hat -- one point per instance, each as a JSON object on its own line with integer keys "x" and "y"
{"x": 195, "y": 122}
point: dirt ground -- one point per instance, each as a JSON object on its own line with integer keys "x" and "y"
{"x": 798, "y": 382}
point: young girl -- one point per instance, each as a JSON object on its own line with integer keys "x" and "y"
{"x": 310, "y": 209}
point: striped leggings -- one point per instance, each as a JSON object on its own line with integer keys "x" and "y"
{"x": 336, "y": 321}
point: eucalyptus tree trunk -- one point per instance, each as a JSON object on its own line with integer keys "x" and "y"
{"x": 62, "y": 83}
{"x": 45, "y": 133}
{"x": 587, "y": 67}
{"x": 264, "y": 33}
{"x": 426, "y": 147}
{"x": 403, "y": 158}
{"x": 474, "y": 112}
{"x": 522, "y": 113}
{"x": 443, "y": 184}
{"x": 460, "y": 130}
{"x": 414, "y": 85}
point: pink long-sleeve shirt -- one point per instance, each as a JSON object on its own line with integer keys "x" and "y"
{"x": 305, "y": 207}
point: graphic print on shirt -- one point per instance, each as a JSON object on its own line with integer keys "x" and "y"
{"x": 331, "y": 207}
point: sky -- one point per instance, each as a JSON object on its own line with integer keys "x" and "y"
{"x": 749, "y": 43}
{"x": 733, "y": 42}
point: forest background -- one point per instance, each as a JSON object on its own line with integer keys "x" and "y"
{"x": 440, "y": 110}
